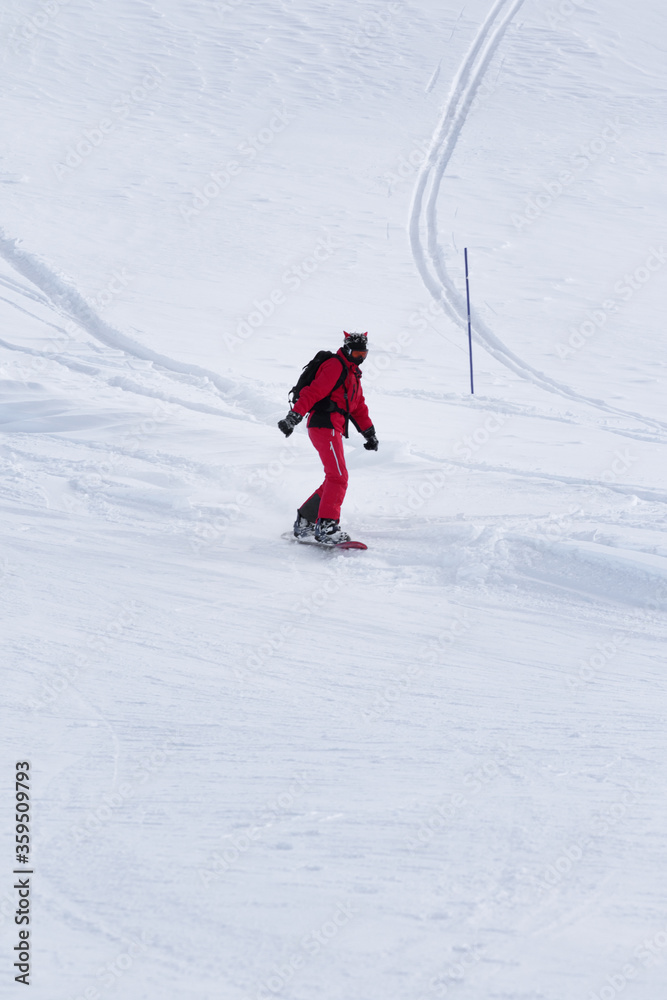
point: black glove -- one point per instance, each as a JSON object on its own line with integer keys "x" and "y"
{"x": 371, "y": 443}
{"x": 289, "y": 423}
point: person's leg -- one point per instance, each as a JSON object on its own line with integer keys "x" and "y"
{"x": 329, "y": 445}
{"x": 311, "y": 508}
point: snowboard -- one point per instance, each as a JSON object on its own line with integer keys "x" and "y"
{"x": 311, "y": 541}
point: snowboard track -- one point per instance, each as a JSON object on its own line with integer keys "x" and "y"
{"x": 495, "y": 405}
{"x": 68, "y": 301}
{"x": 423, "y": 221}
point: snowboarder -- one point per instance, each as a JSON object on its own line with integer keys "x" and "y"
{"x": 333, "y": 398}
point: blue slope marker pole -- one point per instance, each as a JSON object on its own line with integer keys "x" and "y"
{"x": 472, "y": 386}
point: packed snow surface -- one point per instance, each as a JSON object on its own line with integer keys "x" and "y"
{"x": 262, "y": 770}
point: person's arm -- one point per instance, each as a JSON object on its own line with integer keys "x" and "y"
{"x": 360, "y": 417}
{"x": 359, "y": 414}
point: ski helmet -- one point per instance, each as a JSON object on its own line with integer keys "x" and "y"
{"x": 355, "y": 346}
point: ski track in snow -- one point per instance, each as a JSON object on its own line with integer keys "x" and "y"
{"x": 624, "y": 489}
{"x": 66, "y": 299}
{"x": 120, "y": 382}
{"x": 495, "y": 405}
{"x": 423, "y": 217}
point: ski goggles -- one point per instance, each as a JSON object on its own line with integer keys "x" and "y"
{"x": 358, "y": 355}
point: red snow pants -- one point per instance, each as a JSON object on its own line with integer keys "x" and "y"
{"x": 329, "y": 444}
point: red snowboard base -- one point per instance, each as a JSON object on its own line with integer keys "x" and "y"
{"x": 309, "y": 540}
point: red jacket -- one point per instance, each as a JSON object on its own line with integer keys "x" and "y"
{"x": 349, "y": 397}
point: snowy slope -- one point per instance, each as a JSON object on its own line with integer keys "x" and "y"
{"x": 434, "y": 769}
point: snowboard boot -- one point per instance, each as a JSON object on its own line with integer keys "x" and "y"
{"x": 303, "y": 528}
{"x": 327, "y": 532}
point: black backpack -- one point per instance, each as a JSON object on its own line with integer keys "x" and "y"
{"x": 323, "y": 407}
{"x": 310, "y": 371}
